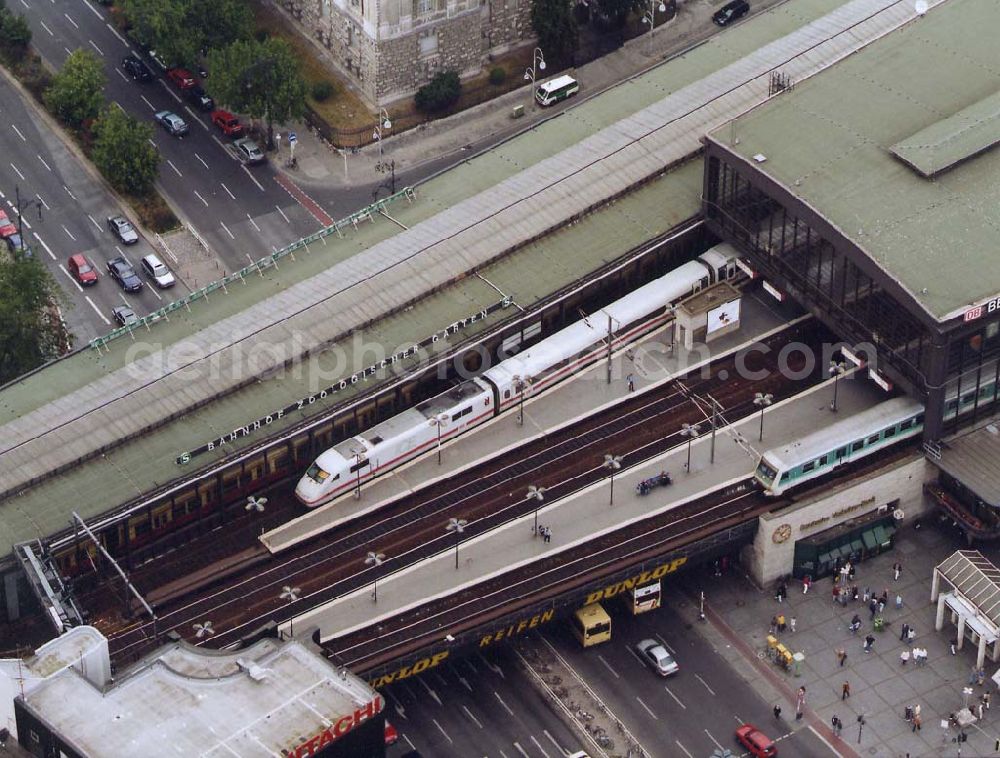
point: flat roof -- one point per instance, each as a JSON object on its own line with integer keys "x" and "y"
{"x": 186, "y": 700}
{"x": 829, "y": 141}
{"x": 973, "y": 458}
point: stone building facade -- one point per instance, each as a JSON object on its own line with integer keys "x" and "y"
{"x": 390, "y": 48}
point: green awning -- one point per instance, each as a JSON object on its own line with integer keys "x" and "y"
{"x": 824, "y": 559}
{"x": 868, "y": 537}
{"x": 857, "y": 546}
{"x": 880, "y": 536}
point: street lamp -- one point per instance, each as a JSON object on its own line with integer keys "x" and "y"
{"x": 383, "y": 123}
{"x": 438, "y": 421}
{"x": 762, "y": 401}
{"x": 376, "y": 560}
{"x": 649, "y": 17}
{"x": 538, "y": 495}
{"x": 690, "y": 431}
{"x": 456, "y": 525}
{"x": 521, "y": 383}
{"x": 537, "y": 64}
{"x": 612, "y": 463}
{"x": 837, "y": 370}
{"x": 861, "y": 723}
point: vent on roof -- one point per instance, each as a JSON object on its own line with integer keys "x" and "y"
{"x": 760, "y": 157}
{"x": 255, "y": 672}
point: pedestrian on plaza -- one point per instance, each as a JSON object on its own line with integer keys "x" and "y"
{"x": 850, "y": 571}
{"x": 844, "y": 571}
{"x": 631, "y": 382}
{"x": 897, "y": 569}
{"x": 884, "y": 597}
{"x": 836, "y": 566}
{"x": 904, "y": 656}
{"x": 872, "y": 609}
{"x": 973, "y": 675}
{"x": 837, "y": 725}
{"x": 836, "y": 592}
{"x": 911, "y": 633}
{"x": 782, "y": 592}
{"x": 904, "y": 632}
{"x": 774, "y": 626}
{"x": 855, "y": 624}
{"x": 952, "y": 645}
{"x": 899, "y": 602}
{"x": 979, "y": 711}
{"x": 981, "y": 677}
{"x": 854, "y": 592}
{"x": 777, "y": 711}
{"x": 806, "y": 583}
{"x": 916, "y": 724}
{"x": 841, "y": 656}
{"x": 845, "y": 690}
{"x": 881, "y": 606}
{"x": 916, "y": 711}
{"x": 986, "y": 700}
{"x": 867, "y": 595}
{"x": 781, "y": 622}
{"x": 800, "y": 703}
{"x": 791, "y": 623}
{"x": 869, "y": 641}
{"x": 908, "y": 713}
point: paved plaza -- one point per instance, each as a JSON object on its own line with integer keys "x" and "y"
{"x": 880, "y": 685}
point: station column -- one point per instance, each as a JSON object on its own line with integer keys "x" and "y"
{"x": 936, "y": 378}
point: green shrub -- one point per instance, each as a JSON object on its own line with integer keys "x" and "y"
{"x": 440, "y": 93}
{"x": 497, "y": 76}
{"x": 15, "y": 34}
{"x": 321, "y": 91}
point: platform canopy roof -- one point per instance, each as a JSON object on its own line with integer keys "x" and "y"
{"x": 974, "y": 460}
{"x": 977, "y": 579}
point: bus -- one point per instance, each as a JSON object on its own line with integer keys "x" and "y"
{"x": 644, "y": 598}
{"x": 592, "y": 625}
{"x": 558, "y": 89}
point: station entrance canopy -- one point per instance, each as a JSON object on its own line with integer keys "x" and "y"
{"x": 974, "y": 599}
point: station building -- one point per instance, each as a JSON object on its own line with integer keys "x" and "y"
{"x": 271, "y": 698}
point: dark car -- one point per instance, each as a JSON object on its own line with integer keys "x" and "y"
{"x": 123, "y": 230}
{"x": 125, "y": 316}
{"x": 18, "y": 247}
{"x": 730, "y": 12}
{"x": 199, "y": 98}
{"x": 124, "y": 274}
{"x": 135, "y": 68}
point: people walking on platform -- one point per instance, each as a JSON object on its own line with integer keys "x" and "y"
{"x": 841, "y": 656}
{"x": 979, "y": 711}
{"x": 631, "y": 382}
{"x": 782, "y": 592}
{"x": 908, "y": 713}
{"x": 845, "y": 690}
{"x": 850, "y": 571}
{"x": 952, "y": 645}
{"x": 547, "y": 534}
{"x": 867, "y": 595}
{"x": 981, "y": 677}
{"x": 897, "y": 569}
{"x": 854, "y": 592}
{"x": 973, "y": 674}
{"x": 773, "y": 629}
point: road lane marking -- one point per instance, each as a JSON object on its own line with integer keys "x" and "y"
{"x": 678, "y": 742}
{"x": 151, "y": 106}
{"x": 666, "y": 645}
{"x": 646, "y": 707}
{"x": 474, "y": 719}
{"x": 227, "y": 190}
{"x": 41, "y": 199}
{"x": 539, "y": 746}
{"x": 124, "y": 78}
{"x": 201, "y": 198}
{"x": 94, "y": 11}
{"x": 283, "y": 214}
{"x": 715, "y": 741}
{"x": 176, "y": 170}
{"x": 68, "y": 51}
{"x": 94, "y": 45}
{"x": 443, "y": 731}
{"x": 677, "y": 699}
{"x": 72, "y": 196}
{"x": 23, "y": 220}
{"x": 119, "y": 106}
{"x": 706, "y": 684}
{"x": 506, "y": 707}
{"x": 68, "y": 19}
{"x": 68, "y": 232}
{"x": 253, "y": 222}
{"x": 47, "y": 248}
{"x": 553, "y": 741}
{"x": 521, "y": 750}
{"x": 14, "y": 127}
{"x": 17, "y": 172}
{"x": 46, "y": 166}
{"x": 607, "y": 666}
{"x": 25, "y": 4}
{"x": 172, "y": 94}
{"x": 202, "y": 161}
{"x": 254, "y": 179}
{"x": 155, "y": 146}
{"x": 63, "y": 269}
{"x": 197, "y": 118}
{"x": 97, "y": 310}
{"x": 94, "y": 222}
{"x": 115, "y": 32}
{"x": 46, "y": 29}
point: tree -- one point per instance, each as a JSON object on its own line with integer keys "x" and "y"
{"x": 556, "y": 28}
{"x": 219, "y": 22}
{"x": 123, "y": 153}
{"x": 15, "y": 34}
{"x": 76, "y": 92}
{"x": 261, "y": 79}
{"x": 161, "y": 25}
{"x": 614, "y": 13}
{"x": 440, "y": 93}
{"x": 30, "y": 332}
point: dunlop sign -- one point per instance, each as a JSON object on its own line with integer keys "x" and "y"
{"x": 635, "y": 581}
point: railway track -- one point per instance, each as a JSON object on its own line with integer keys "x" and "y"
{"x": 410, "y": 529}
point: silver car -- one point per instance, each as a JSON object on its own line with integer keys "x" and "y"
{"x": 173, "y": 123}
{"x": 155, "y": 269}
{"x": 123, "y": 230}
{"x": 653, "y": 653}
{"x": 248, "y": 151}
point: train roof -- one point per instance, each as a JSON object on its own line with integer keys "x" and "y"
{"x": 843, "y": 432}
{"x": 720, "y": 255}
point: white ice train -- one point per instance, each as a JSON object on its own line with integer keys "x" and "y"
{"x": 471, "y": 403}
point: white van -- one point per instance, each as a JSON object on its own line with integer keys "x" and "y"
{"x": 558, "y": 89}
{"x": 157, "y": 271}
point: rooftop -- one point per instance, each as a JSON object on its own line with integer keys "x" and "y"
{"x": 896, "y": 147}
{"x": 185, "y": 700}
{"x": 973, "y": 459}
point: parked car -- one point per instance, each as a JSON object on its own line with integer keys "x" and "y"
{"x": 655, "y": 655}
{"x": 730, "y": 12}
{"x": 159, "y": 60}
{"x": 181, "y": 77}
{"x": 7, "y": 228}
{"x": 81, "y": 270}
{"x": 124, "y": 315}
{"x": 754, "y": 740}
{"x": 18, "y": 247}
{"x": 124, "y": 274}
{"x": 122, "y": 229}
{"x": 248, "y": 151}
{"x": 173, "y": 123}
{"x": 157, "y": 271}
{"x": 391, "y": 734}
{"x": 135, "y": 68}
{"x": 228, "y": 124}
{"x": 199, "y": 98}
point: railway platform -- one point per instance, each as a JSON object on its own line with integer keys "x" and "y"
{"x": 651, "y": 361}
{"x": 574, "y": 520}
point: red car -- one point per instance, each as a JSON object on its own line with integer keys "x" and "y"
{"x": 81, "y": 270}
{"x": 183, "y": 78}
{"x": 6, "y": 227}
{"x": 391, "y": 735}
{"x": 754, "y": 740}
{"x": 227, "y": 123}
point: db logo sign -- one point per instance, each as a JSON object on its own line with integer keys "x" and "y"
{"x": 973, "y": 313}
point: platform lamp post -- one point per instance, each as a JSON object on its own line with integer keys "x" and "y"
{"x": 649, "y": 17}
{"x": 762, "y": 400}
{"x": 383, "y": 123}
{"x": 537, "y": 64}
{"x": 612, "y": 463}
{"x": 438, "y": 421}
{"x": 538, "y": 495}
{"x": 376, "y": 560}
{"x": 457, "y": 525}
{"x": 837, "y": 370}
{"x": 521, "y": 383}
{"x": 861, "y": 725}
{"x": 690, "y": 431}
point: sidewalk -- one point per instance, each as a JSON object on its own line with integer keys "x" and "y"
{"x": 881, "y": 687}
{"x": 324, "y": 165}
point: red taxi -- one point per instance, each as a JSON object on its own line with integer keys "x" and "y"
{"x": 754, "y": 740}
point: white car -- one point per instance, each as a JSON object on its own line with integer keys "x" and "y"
{"x": 155, "y": 269}
{"x": 173, "y": 123}
{"x": 248, "y": 151}
{"x": 653, "y": 653}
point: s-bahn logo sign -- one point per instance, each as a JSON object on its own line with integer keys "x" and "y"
{"x": 361, "y": 376}
{"x": 318, "y": 742}
{"x": 978, "y": 311}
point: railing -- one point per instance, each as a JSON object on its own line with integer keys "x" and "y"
{"x": 367, "y": 213}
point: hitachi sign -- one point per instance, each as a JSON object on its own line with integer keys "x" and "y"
{"x": 336, "y": 730}
{"x": 635, "y": 581}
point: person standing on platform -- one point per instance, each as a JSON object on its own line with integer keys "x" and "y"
{"x": 897, "y": 569}
{"x": 841, "y": 656}
{"x": 631, "y": 382}
{"x": 845, "y": 690}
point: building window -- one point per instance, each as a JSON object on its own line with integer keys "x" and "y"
{"x": 428, "y": 44}
{"x": 422, "y": 7}
{"x": 324, "y": 8}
